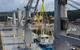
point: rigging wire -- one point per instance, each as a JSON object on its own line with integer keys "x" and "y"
{"x": 74, "y": 5}
{"x": 36, "y": 5}
{"x": 75, "y": 2}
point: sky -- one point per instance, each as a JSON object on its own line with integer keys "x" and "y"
{"x": 74, "y": 5}
{"x": 9, "y": 5}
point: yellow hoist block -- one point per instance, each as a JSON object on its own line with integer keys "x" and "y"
{"x": 38, "y": 18}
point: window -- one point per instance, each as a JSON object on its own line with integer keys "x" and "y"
{"x": 3, "y": 18}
